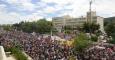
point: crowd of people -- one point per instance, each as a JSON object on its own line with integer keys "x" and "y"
{"x": 100, "y": 52}
{"x": 36, "y": 46}
{"x": 39, "y": 47}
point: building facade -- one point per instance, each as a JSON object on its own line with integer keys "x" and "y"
{"x": 60, "y": 22}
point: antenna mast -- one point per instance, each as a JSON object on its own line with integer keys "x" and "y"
{"x": 90, "y": 9}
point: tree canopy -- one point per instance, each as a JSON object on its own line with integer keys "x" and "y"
{"x": 81, "y": 42}
{"x": 40, "y": 26}
{"x": 110, "y": 30}
{"x": 90, "y": 27}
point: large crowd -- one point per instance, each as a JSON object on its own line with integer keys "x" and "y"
{"x": 36, "y": 46}
{"x": 39, "y": 47}
{"x": 102, "y": 53}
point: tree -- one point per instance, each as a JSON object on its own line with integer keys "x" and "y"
{"x": 67, "y": 29}
{"x": 41, "y": 26}
{"x": 110, "y": 30}
{"x": 44, "y": 26}
{"x": 90, "y": 27}
{"x": 81, "y": 42}
{"x": 7, "y": 27}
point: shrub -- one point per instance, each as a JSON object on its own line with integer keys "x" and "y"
{"x": 17, "y": 53}
{"x": 94, "y": 38}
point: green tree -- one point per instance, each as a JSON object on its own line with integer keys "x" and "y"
{"x": 81, "y": 42}
{"x": 110, "y": 30}
{"x": 7, "y": 27}
{"x": 41, "y": 26}
{"x": 90, "y": 27}
{"x": 67, "y": 29}
{"x": 44, "y": 26}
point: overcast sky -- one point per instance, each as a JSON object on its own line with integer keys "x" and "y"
{"x": 12, "y": 11}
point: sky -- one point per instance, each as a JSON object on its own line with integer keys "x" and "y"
{"x": 14, "y": 11}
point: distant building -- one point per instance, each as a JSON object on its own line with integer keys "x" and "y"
{"x": 60, "y": 22}
{"x": 92, "y": 17}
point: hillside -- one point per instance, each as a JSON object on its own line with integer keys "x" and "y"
{"x": 110, "y": 19}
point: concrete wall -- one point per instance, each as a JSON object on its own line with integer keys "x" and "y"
{"x": 4, "y": 57}
{"x": 2, "y": 53}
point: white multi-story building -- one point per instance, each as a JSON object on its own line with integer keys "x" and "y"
{"x": 60, "y": 22}
{"x": 92, "y": 17}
